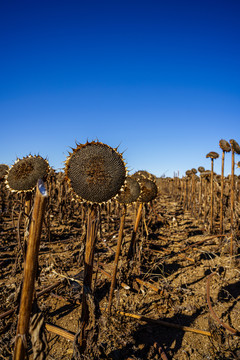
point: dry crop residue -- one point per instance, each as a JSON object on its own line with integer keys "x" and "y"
{"x": 167, "y": 280}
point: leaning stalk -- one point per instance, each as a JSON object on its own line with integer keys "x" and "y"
{"x": 30, "y": 270}
{"x": 115, "y": 265}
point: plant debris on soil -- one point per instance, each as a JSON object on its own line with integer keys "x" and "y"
{"x": 178, "y": 298}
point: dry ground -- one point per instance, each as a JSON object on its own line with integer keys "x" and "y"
{"x": 170, "y": 259}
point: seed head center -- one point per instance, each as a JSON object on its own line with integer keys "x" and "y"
{"x": 96, "y": 172}
{"x": 23, "y": 170}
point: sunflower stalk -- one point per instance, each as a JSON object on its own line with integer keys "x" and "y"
{"x": 118, "y": 250}
{"x": 132, "y": 247}
{"x": 30, "y": 271}
{"x": 92, "y": 228}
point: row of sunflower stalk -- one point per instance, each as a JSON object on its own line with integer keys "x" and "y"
{"x": 211, "y": 198}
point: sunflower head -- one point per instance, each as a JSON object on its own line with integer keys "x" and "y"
{"x": 3, "y": 171}
{"x": 149, "y": 190}
{"x": 224, "y": 145}
{"x": 25, "y": 173}
{"x": 206, "y": 174}
{"x": 201, "y": 169}
{"x": 130, "y": 192}
{"x": 212, "y": 155}
{"x": 235, "y": 146}
{"x": 95, "y": 172}
{"x": 143, "y": 174}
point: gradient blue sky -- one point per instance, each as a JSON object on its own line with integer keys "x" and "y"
{"x": 160, "y": 78}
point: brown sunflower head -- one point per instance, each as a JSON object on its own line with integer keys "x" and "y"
{"x": 235, "y": 146}
{"x": 3, "y": 171}
{"x": 95, "y": 171}
{"x": 149, "y": 190}
{"x": 130, "y": 192}
{"x": 224, "y": 145}
{"x": 143, "y": 174}
{"x": 212, "y": 155}
{"x": 194, "y": 171}
{"x": 25, "y": 173}
{"x": 188, "y": 172}
{"x": 206, "y": 174}
{"x": 201, "y": 169}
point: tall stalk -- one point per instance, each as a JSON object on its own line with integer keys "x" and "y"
{"x": 128, "y": 195}
{"x": 235, "y": 149}
{"x": 187, "y": 190}
{"x": 206, "y": 180}
{"x": 117, "y": 254}
{"x": 201, "y": 170}
{"x": 224, "y": 145}
{"x": 194, "y": 171}
{"x": 92, "y": 227}
{"x": 222, "y": 188}
{"x": 212, "y": 155}
{"x": 132, "y": 247}
{"x": 30, "y": 269}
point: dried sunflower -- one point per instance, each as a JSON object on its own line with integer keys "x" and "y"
{"x": 212, "y": 155}
{"x": 95, "y": 171}
{"x": 130, "y": 192}
{"x": 224, "y": 145}
{"x": 143, "y": 174}
{"x": 3, "y": 171}
{"x": 25, "y": 172}
{"x": 149, "y": 190}
{"x": 235, "y": 146}
{"x": 201, "y": 169}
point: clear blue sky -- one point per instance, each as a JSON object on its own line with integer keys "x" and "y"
{"x": 160, "y": 78}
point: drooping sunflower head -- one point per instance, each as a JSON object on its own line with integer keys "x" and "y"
{"x": 3, "y": 171}
{"x": 130, "y": 192}
{"x": 194, "y": 171}
{"x": 149, "y": 190}
{"x": 235, "y": 146}
{"x": 207, "y": 174}
{"x": 25, "y": 173}
{"x": 212, "y": 155}
{"x": 95, "y": 172}
{"x": 201, "y": 169}
{"x": 143, "y": 174}
{"x": 224, "y": 145}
